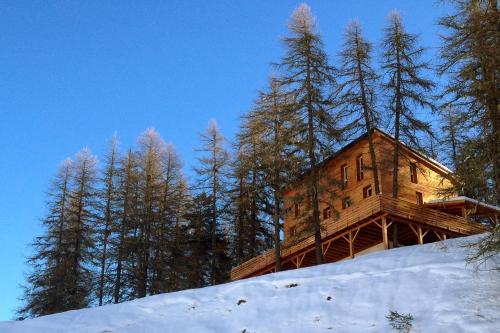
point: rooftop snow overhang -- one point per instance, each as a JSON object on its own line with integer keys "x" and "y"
{"x": 466, "y": 202}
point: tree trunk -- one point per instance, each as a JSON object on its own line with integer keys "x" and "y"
{"x": 313, "y": 181}
{"x": 276, "y": 221}
{"x": 395, "y": 186}
{"x": 368, "y": 126}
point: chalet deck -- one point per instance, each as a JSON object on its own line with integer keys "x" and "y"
{"x": 364, "y": 225}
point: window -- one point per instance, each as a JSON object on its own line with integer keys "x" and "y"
{"x": 327, "y": 213}
{"x": 346, "y": 202}
{"x": 367, "y": 191}
{"x": 343, "y": 175}
{"x": 413, "y": 172}
{"x": 292, "y": 231}
{"x": 360, "y": 167}
{"x": 420, "y": 199}
{"x": 296, "y": 209}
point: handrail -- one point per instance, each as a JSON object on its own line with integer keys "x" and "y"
{"x": 347, "y": 217}
{"x": 360, "y": 211}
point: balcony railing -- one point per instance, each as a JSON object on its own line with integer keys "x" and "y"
{"x": 353, "y": 215}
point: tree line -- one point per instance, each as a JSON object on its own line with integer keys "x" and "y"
{"x": 134, "y": 226}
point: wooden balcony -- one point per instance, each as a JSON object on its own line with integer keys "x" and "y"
{"x": 368, "y": 213}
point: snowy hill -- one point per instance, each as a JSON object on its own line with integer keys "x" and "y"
{"x": 432, "y": 282}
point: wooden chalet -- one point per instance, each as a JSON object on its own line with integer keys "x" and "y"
{"x": 356, "y": 220}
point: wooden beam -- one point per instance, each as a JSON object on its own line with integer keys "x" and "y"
{"x": 464, "y": 212}
{"x": 326, "y": 246}
{"x": 356, "y": 234}
{"x": 413, "y": 229}
{"x": 301, "y": 259}
{"x": 351, "y": 247}
{"x": 425, "y": 233}
{"x": 420, "y": 235}
{"x": 384, "y": 233}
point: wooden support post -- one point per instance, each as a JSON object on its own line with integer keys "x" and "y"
{"x": 351, "y": 249}
{"x": 384, "y": 233}
{"x": 395, "y": 235}
{"x": 300, "y": 259}
{"x": 420, "y": 235}
{"x": 444, "y": 236}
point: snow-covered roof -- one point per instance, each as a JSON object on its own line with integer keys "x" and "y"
{"x": 466, "y": 199}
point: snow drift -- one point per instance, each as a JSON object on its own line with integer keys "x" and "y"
{"x": 432, "y": 282}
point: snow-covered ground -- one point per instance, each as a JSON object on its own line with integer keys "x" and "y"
{"x": 432, "y": 282}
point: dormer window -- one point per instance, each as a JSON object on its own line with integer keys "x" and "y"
{"x": 343, "y": 175}
{"x": 413, "y": 173}
{"x": 360, "y": 168}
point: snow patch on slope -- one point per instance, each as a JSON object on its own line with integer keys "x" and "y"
{"x": 432, "y": 282}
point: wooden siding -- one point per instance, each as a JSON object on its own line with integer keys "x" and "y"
{"x": 431, "y": 180}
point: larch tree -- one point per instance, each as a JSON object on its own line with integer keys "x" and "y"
{"x": 150, "y": 159}
{"x": 308, "y": 77}
{"x": 357, "y": 91}
{"x": 123, "y": 244}
{"x": 471, "y": 59}
{"x": 405, "y": 88}
{"x": 45, "y": 292}
{"x": 81, "y": 230}
{"x": 212, "y": 173}
{"x": 240, "y": 204}
{"x": 453, "y": 135}
{"x": 167, "y": 248}
{"x": 198, "y": 240}
{"x": 108, "y": 218}
{"x": 250, "y": 194}
{"x": 272, "y": 120}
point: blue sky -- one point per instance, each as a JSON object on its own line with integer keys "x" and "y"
{"x": 74, "y": 72}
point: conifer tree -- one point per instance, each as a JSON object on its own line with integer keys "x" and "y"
{"x": 358, "y": 87}
{"x": 150, "y": 158}
{"x": 45, "y": 292}
{"x": 470, "y": 54}
{"x": 212, "y": 174}
{"x": 167, "y": 249}
{"x": 107, "y": 219}
{"x": 453, "y": 134}
{"x": 123, "y": 246}
{"x": 198, "y": 245}
{"x": 81, "y": 230}
{"x": 309, "y": 78}
{"x": 405, "y": 87}
{"x": 272, "y": 120}
{"x": 240, "y": 204}
{"x": 249, "y": 194}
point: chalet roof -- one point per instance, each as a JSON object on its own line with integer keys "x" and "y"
{"x": 461, "y": 200}
{"x": 365, "y": 135}
{"x": 424, "y": 156}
